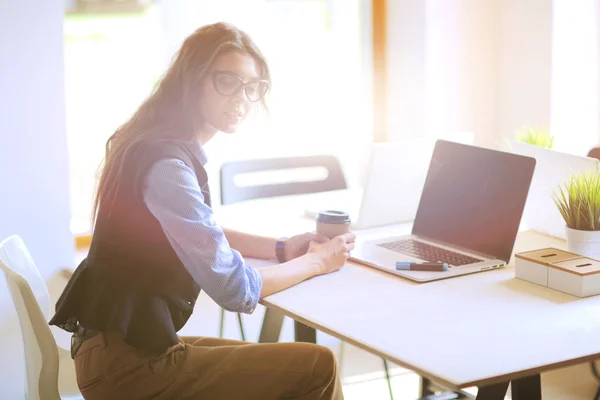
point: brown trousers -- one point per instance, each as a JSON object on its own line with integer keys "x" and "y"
{"x": 205, "y": 368}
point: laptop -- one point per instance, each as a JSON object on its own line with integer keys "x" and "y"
{"x": 392, "y": 187}
{"x": 468, "y": 214}
{"x": 552, "y": 169}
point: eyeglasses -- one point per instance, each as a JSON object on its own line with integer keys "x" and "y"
{"x": 227, "y": 84}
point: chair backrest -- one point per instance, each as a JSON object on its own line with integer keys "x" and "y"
{"x": 232, "y": 193}
{"x": 32, "y": 302}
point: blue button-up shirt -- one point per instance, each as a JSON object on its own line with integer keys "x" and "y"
{"x": 173, "y": 196}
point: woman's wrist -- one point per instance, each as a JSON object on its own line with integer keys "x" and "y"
{"x": 314, "y": 263}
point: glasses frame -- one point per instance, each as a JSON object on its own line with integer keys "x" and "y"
{"x": 215, "y": 74}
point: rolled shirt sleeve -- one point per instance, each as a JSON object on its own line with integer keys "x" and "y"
{"x": 174, "y": 197}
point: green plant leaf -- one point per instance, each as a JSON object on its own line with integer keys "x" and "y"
{"x": 578, "y": 201}
{"x": 535, "y": 137}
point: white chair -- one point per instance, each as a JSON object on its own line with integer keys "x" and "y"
{"x": 43, "y": 357}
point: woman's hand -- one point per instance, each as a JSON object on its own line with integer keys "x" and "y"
{"x": 323, "y": 256}
{"x": 297, "y": 246}
{"x": 333, "y": 253}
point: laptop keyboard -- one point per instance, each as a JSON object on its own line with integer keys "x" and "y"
{"x": 428, "y": 252}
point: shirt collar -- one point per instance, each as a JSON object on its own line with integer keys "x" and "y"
{"x": 199, "y": 152}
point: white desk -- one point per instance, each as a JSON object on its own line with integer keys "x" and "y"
{"x": 484, "y": 329}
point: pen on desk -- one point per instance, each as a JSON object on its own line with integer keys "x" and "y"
{"x": 417, "y": 266}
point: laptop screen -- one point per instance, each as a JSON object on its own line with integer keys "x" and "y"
{"x": 473, "y": 198}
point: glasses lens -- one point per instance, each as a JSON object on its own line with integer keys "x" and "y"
{"x": 226, "y": 84}
{"x": 256, "y": 90}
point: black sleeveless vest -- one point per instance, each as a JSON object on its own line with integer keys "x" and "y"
{"x": 132, "y": 279}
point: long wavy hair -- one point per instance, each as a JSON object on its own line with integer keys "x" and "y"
{"x": 169, "y": 112}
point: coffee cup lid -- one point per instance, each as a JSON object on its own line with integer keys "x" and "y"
{"x": 333, "y": 217}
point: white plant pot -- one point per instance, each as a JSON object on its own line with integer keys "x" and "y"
{"x": 585, "y": 243}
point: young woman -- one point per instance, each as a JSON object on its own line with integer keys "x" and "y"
{"x": 156, "y": 245}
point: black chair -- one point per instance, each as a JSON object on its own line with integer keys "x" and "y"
{"x": 232, "y": 193}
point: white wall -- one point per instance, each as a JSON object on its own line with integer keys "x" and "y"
{"x": 406, "y": 68}
{"x": 33, "y": 149}
{"x": 469, "y": 65}
{"x": 525, "y": 65}
{"x": 575, "y": 65}
{"x": 34, "y": 199}
{"x": 461, "y": 65}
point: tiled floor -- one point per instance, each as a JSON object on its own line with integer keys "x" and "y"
{"x": 362, "y": 373}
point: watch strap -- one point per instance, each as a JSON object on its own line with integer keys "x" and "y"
{"x": 280, "y": 249}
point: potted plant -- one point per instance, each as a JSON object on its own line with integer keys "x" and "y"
{"x": 535, "y": 137}
{"x": 578, "y": 201}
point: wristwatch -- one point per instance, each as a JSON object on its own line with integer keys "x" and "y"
{"x": 280, "y": 249}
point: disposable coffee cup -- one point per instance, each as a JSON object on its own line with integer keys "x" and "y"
{"x": 333, "y": 223}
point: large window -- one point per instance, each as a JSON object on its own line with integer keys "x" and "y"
{"x": 111, "y": 64}
{"x": 318, "y": 51}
